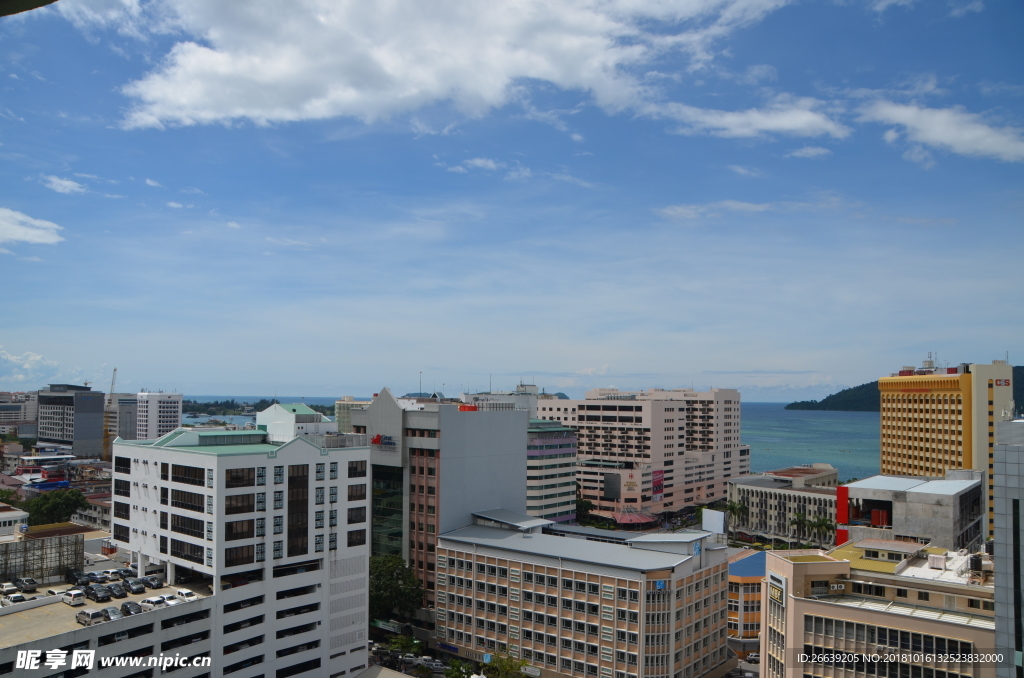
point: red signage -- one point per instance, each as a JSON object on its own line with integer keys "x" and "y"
{"x": 1002, "y": 382}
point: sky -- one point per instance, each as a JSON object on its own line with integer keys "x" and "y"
{"x": 327, "y": 197}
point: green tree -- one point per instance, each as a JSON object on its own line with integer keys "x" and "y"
{"x": 55, "y": 506}
{"x": 801, "y": 523}
{"x": 423, "y": 671}
{"x": 583, "y": 509}
{"x": 504, "y": 666}
{"x": 9, "y": 496}
{"x": 737, "y": 511}
{"x": 458, "y": 669}
{"x": 393, "y": 587}
{"x": 821, "y": 527}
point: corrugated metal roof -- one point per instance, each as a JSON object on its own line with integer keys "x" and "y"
{"x": 685, "y": 536}
{"x": 298, "y": 408}
{"x": 949, "y": 487}
{"x": 580, "y": 550}
{"x": 751, "y": 566}
{"x": 506, "y": 517}
{"x": 893, "y": 483}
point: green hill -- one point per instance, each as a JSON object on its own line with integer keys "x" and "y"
{"x": 863, "y": 398}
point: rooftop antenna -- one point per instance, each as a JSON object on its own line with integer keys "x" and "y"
{"x": 490, "y": 383}
{"x": 421, "y": 382}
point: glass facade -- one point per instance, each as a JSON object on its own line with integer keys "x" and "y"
{"x": 387, "y": 511}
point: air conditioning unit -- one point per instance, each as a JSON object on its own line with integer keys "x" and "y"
{"x": 135, "y": 529}
{"x": 145, "y": 485}
{"x": 136, "y": 483}
{"x": 143, "y": 533}
{"x": 136, "y": 460}
{"x": 146, "y": 462}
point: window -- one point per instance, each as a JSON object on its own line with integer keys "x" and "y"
{"x": 192, "y": 527}
{"x": 239, "y": 529}
{"x": 239, "y": 503}
{"x": 901, "y": 593}
{"x": 278, "y": 548}
{"x": 319, "y": 495}
{"x": 333, "y": 518}
{"x": 356, "y": 469}
{"x": 122, "y": 488}
{"x": 190, "y": 501}
{"x": 922, "y": 595}
{"x": 334, "y": 495}
{"x": 239, "y": 555}
{"x": 121, "y": 533}
{"x": 189, "y": 475}
{"x": 122, "y": 465}
{"x": 187, "y": 551}
{"x": 279, "y": 499}
{"x": 332, "y": 541}
{"x": 278, "y": 524}
{"x": 122, "y": 510}
{"x": 356, "y": 515}
{"x": 355, "y": 492}
{"x": 320, "y": 471}
{"x": 334, "y": 470}
{"x": 318, "y": 543}
{"x": 240, "y": 477}
{"x": 356, "y": 537}
{"x": 278, "y": 475}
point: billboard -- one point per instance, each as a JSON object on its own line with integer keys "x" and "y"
{"x": 713, "y": 521}
{"x": 658, "y": 485}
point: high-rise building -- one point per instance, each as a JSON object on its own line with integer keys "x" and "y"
{"x": 121, "y": 415}
{"x": 343, "y": 412}
{"x": 746, "y": 573}
{"x": 19, "y": 407}
{"x": 158, "y": 414}
{"x": 434, "y": 463}
{"x": 651, "y": 606}
{"x": 72, "y": 416}
{"x": 775, "y": 499}
{"x": 657, "y": 451}
{"x": 280, "y": 532}
{"x": 938, "y": 418}
{"x": 551, "y": 470}
{"x": 923, "y": 612}
{"x": 1009, "y": 553}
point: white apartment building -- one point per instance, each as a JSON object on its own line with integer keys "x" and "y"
{"x": 651, "y": 606}
{"x": 653, "y": 451}
{"x": 293, "y": 420}
{"x": 551, "y": 471}
{"x": 279, "y": 530}
{"x": 158, "y": 414}
{"x": 19, "y": 407}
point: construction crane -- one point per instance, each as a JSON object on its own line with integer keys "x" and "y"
{"x": 113, "y": 380}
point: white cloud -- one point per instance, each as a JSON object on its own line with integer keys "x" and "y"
{"x": 317, "y": 59}
{"x": 920, "y": 155}
{"x": 483, "y": 163}
{"x": 175, "y": 205}
{"x": 192, "y": 191}
{"x": 882, "y": 5}
{"x": 60, "y": 185}
{"x": 593, "y": 371}
{"x": 288, "y": 242}
{"x": 795, "y": 116}
{"x": 150, "y": 182}
{"x": 717, "y": 209}
{"x": 951, "y": 129}
{"x": 25, "y": 369}
{"x": 809, "y": 152}
{"x": 577, "y": 137}
{"x": 959, "y": 9}
{"x": 570, "y": 179}
{"x": 520, "y": 173}
{"x": 758, "y": 73}
{"x": 233, "y": 224}
{"x": 745, "y": 171}
{"x": 458, "y": 169}
{"x": 891, "y": 136}
{"x": 18, "y": 227}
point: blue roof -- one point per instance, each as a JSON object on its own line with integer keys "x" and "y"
{"x": 751, "y": 566}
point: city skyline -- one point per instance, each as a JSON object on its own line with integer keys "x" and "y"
{"x": 673, "y": 197}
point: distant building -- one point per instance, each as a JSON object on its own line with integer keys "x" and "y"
{"x": 121, "y": 412}
{"x": 1010, "y": 432}
{"x": 647, "y": 452}
{"x": 746, "y": 572}
{"x": 19, "y": 408}
{"x": 934, "y": 419}
{"x": 1009, "y": 553}
{"x": 775, "y": 499}
{"x": 525, "y": 397}
{"x": 11, "y": 520}
{"x": 72, "y": 416}
{"x": 97, "y": 515}
{"x": 293, "y": 420}
{"x": 159, "y": 413}
{"x": 551, "y": 471}
{"x": 343, "y": 412}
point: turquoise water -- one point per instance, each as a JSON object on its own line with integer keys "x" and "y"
{"x": 779, "y": 437}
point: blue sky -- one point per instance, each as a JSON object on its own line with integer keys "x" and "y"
{"x": 323, "y": 198}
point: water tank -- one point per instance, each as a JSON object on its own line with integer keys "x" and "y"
{"x": 990, "y": 548}
{"x": 974, "y": 562}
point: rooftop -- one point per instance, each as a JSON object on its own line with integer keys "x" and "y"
{"x": 578, "y": 550}
{"x": 298, "y": 408}
{"x": 890, "y": 607}
{"x": 752, "y": 565}
{"x": 889, "y": 545}
{"x": 802, "y": 471}
{"x": 918, "y": 485}
{"x": 505, "y": 517}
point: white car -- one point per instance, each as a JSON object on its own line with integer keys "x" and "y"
{"x": 112, "y": 575}
{"x": 171, "y": 599}
{"x": 12, "y": 599}
{"x": 7, "y": 588}
{"x": 187, "y": 596}
{"x": 154, "y": 603}
{"x": 73, "y": 597}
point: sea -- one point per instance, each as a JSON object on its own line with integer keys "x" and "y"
{"x": 242, "y": 421}
{"x": 779, "y": 438}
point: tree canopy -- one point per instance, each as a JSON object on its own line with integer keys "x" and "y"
{"x": 393, "y": 587}
{"x": 55, "y": 506}
{"x": 504, "y": 666}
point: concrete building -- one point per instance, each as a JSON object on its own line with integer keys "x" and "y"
{"x": 279, "y": 531}
{"x": 657, "y": 451}
{"x": 343, "y": 412}
{"x": 434, "y": 463}
{"x": 121, "y": 415}
{"x": 934, "y": 419}
{"x": 1010, "y": 432}
{"x": 293, "y": 420}
{"x": 775, "y": 499}
{"x": 97, "y": 515}
{"x": 72, "y": 416}
{"x": 916, "y": 604}
{"x": 159, "y": 413}
{"x": 524, "y": 397}
{"x": 11, "y": 520}
{"x": 1009, "y": 552}
{"x": 943, "y": 513}
{"x": 653, "y": 606}
{"x": 746, "y": 573}
{"x": 551, "y": 471}
{"x": 17, "y": 408}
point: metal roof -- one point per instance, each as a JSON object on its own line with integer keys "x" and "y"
{"x": 579, "y": 550}
{"x": 684, "y": 536}
{"x": 949, "y": 487}
{"x": 298, "y": 408}
{"x": 893, "y": 483}
{"x": 751, "y": 566}
{"x": 506, "y": 517}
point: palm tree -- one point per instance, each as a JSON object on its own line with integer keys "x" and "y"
{"x": 736, "y": 511}
{"x": 821, "y": 525}
{"x": 801, "y": 522}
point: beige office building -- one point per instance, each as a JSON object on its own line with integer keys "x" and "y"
{"x": 934, "y": 419}
{"x": 656, "y": 451}
{"x": 653, "y": 606}
{"x": 922, "y": 611}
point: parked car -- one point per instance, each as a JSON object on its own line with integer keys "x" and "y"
{"x": 112, "y": 575}
{"x": 112, "y": 613}
{"x": 7, "y": 588}
{"x": 117, "y": 590}
{"x": 73, "y": 597}
{"x": 130, "y": 607}
{"x": 98, "y": 593}
{"x": 187, "y": 596}
{"x": 56, "y": 591}
{"x": 171, "y": 599}
{"x": 754, "y": 658}
{"x": 74, "y": 576}
{"x": 152, "y": 582}
{"x": 12, "y": 599}
{"x": 126, "y": 572}
{"x": 89, "y": 616}
{"x": 133, "y": 586}
{"x": 97, "y": 577}
{"x": 154, "y": 603}
{"x": 26, "y": 584}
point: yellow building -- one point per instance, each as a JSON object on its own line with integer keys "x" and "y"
{"x": 894, "y": 609}
{"x": 746, "y": 571}
{"x": 935, "y": 418}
